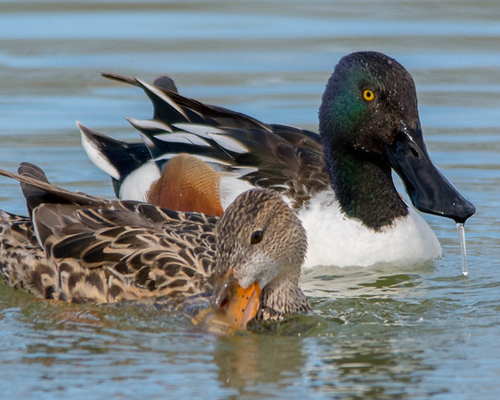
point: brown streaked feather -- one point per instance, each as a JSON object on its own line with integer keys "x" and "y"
{"x": 22, "y": 261}
{"x": 101, "y": 250}
{"x": 107, "y": 251}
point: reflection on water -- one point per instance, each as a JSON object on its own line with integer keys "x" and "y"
{"x": 247, "y": 361}
{"x": 342, "y": 360}
{"x": 419, "y": 332}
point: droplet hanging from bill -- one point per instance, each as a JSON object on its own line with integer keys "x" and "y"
{"x": 463, "y": 250}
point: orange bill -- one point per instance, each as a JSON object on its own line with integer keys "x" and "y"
{"x": 233, "y": 306}
{"x": 243, "y": 305}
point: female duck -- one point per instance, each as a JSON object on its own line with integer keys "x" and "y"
{"x": 81, "y": 248}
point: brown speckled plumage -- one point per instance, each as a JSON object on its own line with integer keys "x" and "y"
{"x": 89, "y": 249}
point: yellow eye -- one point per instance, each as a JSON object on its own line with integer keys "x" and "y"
{"x": 368, "y": 95}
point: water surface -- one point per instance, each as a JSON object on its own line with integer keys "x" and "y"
{"x": 385, "y": 333}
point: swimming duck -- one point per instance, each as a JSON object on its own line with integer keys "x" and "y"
{"x": 80, "y": 248}
{"x": 339, "y": 182}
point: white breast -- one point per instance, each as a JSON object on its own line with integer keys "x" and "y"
{"x": 337, "y": 240}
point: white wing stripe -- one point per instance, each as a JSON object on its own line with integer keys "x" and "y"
{"x": 148, "y": 124}
{"x": 228, "y": 143}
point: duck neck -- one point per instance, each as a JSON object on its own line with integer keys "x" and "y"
{"x": 283, "y": 296}
{"x": 364, "y": 189}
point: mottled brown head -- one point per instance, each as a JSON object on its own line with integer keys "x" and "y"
{"x": 260, "y": 248}
{"x": 260, "y": 238}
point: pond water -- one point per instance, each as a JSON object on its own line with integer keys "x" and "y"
{"x": 381, "y": 333}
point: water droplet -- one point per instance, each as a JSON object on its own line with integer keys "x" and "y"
{"x": 463, "y": 251}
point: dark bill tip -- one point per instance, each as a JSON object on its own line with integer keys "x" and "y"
{"x": 429, "y": 190}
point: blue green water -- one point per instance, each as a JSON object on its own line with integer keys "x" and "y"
{"x": 381, "y": 333}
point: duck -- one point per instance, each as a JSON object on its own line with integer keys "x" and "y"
{"x": 339, "y": 182}
{"x": 79, "y": 248}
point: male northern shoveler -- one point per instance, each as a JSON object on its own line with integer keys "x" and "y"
{"x": 80, "y": 248}
{"x": 339, "y": 182}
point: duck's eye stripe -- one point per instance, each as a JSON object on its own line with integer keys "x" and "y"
{"x": 368, "y": 95}
{"x": 256, "y": 237}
